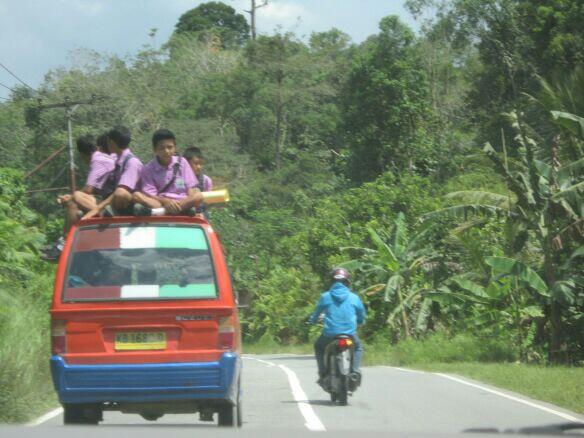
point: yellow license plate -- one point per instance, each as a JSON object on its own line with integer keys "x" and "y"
{"x": 140, "y": 341}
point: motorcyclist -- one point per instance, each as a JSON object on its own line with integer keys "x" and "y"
{"x": 343, "y": 311}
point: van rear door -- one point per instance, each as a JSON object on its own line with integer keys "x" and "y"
{"x": 144, "y": 294}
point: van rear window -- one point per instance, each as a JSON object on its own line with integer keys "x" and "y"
{"x": 110, "y": 263}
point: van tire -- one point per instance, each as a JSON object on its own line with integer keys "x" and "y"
{"x": 226, "y": 415}
{"x": 227, "y": 411}
{"x": 81, "y": 414}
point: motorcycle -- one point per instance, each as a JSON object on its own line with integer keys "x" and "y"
{"x": 340, "y": 380}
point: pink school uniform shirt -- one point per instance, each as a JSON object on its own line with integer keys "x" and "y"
{"x": 207, "y": 183}
{"x": 128, "y": 171}
{"x": 100, "y": 168}
{"x": 156, "y": 176}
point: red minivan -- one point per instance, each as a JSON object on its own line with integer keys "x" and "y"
{"x": 144, "y": 320}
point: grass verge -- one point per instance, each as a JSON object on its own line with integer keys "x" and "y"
{"x": 26, "y": 390}
{"x": 278, "y": 349}
{"x": 561, "y": 386}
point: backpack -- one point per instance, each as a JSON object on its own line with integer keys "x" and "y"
{"x": 114, "y": 177}
{"x": 202, "y": 209}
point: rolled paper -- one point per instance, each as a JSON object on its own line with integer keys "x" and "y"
{"x": 216, "y": 197}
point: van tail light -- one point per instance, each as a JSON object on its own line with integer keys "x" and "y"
{"x": 58, "y": 344}
{"x": 226, "y": 332}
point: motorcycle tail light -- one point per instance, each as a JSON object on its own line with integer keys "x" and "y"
{"x": 344, "y": 343}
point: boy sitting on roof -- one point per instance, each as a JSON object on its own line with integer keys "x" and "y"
{"x": 169, "y": 186}
{"x": 194, "y": 157}
{"x": 126, "y": 175}
{"x": 98, "y": 186}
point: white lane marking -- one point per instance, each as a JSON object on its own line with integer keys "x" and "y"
{"x": 510, "y": 397}
{"x": 408, "y": 370}
{"x": 293, "y": 355}
{"x": 265, "y": 362}
{"x": 46, "y": 417}
{"x": 313, "y": 423}
{"x": 405, "y": 370}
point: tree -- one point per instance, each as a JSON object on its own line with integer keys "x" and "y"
{"x": 516, "y": 41}
{"x": 385, "y": 101}
{"x": 215, "y": 19}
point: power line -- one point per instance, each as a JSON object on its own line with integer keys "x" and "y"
{"x": 16, "y": 77}
{"x": 59, "y": 175}
{"x": 70, "y": 107}
{"x": 9, "y": 88}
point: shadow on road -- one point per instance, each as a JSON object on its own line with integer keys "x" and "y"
{"x": 152, "y": 426}
{"x": 311, "y": 402}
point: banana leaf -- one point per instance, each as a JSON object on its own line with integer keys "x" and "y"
{"x": 392, "y": 286}
{"x": 387, "y": 255}
{"x": 472, "y": 287}
{"x": 423, "y": 315}
{"x": 463, "y": 212}
{"x": 518, "y": 269}
{"x": 407, "y": 300}
{"x": 571, "y": 122}
{"x": 480, "y": 197}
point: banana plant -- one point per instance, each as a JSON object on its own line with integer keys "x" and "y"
{"x": 545, "y": 200}
{"x": 398, "y": 260}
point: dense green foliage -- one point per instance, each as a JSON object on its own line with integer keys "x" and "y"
{"x": 372, "y": 155}
{"x": 25, "y": 291}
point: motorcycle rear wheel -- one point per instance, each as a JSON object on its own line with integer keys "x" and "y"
{"x": 344, "y": 391}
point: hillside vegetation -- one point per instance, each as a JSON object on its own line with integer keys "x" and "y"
{"x": 444, "y": 168}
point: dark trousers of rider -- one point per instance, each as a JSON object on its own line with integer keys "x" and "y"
{"x": 320, "y": 346}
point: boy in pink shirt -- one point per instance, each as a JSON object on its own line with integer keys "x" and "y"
{"x": 99, "y": 185}
{"x": 169, "y": 186}
{"x": 194, "y": 156}
{"x": 126, "y": 177}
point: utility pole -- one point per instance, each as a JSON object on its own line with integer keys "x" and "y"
{"x": 252, "y": 13}
{"x": 70, "y": 107}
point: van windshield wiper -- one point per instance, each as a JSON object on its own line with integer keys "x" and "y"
{"x": 551, "y": 429}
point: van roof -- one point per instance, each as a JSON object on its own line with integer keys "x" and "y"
{"x": 137, "y": 220}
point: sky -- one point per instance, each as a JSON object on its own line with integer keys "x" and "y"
{"x": 39, "y": 35}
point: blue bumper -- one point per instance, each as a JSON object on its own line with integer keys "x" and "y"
{"x": 147, "y": 382}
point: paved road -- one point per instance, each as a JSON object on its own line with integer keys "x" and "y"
{"x": 280, "y": 393}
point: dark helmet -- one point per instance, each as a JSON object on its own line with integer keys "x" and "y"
{"x": 341, "y": 274}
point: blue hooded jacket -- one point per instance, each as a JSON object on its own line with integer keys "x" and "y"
{"x": 342, "y": 309}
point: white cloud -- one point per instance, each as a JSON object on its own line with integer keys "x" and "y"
{"x": 282, "y": 12}
{"x": 276, "y": 13}
{"x": 86, "y": 7}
